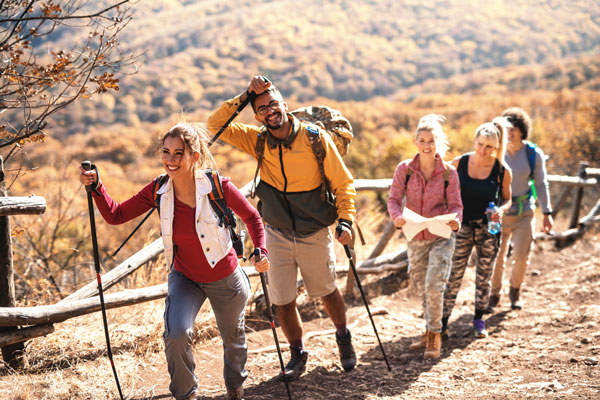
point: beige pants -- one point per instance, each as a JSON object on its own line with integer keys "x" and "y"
{"x": 314, "y": 256}
{"x": 520, "y": 229}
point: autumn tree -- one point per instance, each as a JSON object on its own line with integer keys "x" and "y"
{"x": 38, "y": 80}
{"x": 51, "y": 54}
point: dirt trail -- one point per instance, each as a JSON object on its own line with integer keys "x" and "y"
{"x": 551, "y": 349}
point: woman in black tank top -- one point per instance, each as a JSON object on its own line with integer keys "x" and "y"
{"x": 484, "y": 178}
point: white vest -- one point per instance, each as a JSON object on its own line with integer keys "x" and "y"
{"x": 215, "y": 239}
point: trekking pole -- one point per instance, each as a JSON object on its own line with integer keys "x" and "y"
{"x": 263, "y": 281}
{"x": 362, "y": 293}
{"x": 249, "y": 97}
{"x": 243, "y": 104}
{"x": 134, "y": 231}
{"x": 89, "y": 189}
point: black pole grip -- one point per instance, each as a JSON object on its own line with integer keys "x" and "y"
{"x": 257, "y": 255}
{"x": 88, "y": 166}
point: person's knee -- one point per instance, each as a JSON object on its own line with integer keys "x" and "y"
{"x": 331, "y": 296}
{"x": 287, "y": 308}
{"x": 178, "y": 337}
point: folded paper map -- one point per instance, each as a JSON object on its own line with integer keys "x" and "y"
{"x": 415, "y": 223}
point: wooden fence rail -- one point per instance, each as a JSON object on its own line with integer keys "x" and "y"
{"x": 14, "y": 320}
{"x": 12, "y": 206}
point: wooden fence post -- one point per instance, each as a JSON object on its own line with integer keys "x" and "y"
{"x": 11, "y": 353}
{"x": 578, "y": 196}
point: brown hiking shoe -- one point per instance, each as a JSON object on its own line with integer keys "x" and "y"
{"x": 433, "y": 348}
{"x": 513, "y": 295}
{"x": 420, "y": 344}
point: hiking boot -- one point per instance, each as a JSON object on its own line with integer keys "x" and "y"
{"x": 420, "y": 344}
{"x": 433, "y": 348}
{"x": 235, "y": 394}
{"x": 296, "y": 366}
{"x": 513, "y": 295}
{"x": 479, "y": 329}
{"x": 492, "y": 303}
{"x": 347, "y": 355}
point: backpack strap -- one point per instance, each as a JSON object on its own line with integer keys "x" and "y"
{"x": 217, "y": 200}
{"x": 260, "y": 155}
{"x": 158, "y": 183}
{"x": 530, "y": 150}
{"x": 407, "y": 178}
{"x": 316, "y": 143}
{"x": 446, "y": 176}
{"x": 501, "y": 171}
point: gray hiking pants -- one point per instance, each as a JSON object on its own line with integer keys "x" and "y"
{"x": 228, "y": 298}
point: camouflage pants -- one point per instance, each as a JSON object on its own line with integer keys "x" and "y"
{"x": 429, "y": 263}
{"x": 486, "y": 245}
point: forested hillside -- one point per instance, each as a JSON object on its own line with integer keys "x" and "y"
{"x": 196, "y": 53}
{"x": 383, "y": 64}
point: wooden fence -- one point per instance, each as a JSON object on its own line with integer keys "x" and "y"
{"x": 18, "y": 324}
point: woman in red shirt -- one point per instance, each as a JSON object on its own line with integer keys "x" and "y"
{"x": 199, "y": 253}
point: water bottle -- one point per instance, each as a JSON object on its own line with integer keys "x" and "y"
{"x": 493, "y": 227}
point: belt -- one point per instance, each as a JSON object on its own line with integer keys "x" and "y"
{"x": 520, "y": 199}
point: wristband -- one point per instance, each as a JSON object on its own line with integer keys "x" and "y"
{"x": 344, "y": 223}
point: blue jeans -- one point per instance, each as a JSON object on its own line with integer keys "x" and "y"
{"x": 228, "y": 298}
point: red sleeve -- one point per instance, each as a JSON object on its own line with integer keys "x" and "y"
{"x": 115, "y": 213}
{"x": 242, "y": 207}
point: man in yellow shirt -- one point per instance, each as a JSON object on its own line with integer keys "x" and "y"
{"x": 296, "y": 211}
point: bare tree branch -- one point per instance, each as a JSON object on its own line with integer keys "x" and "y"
{"x": 65, "y": 17}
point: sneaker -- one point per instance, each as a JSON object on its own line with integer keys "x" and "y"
{"x": 347, "y": 355}
{"x": 479, "y": 328}
{"x": 296, "y": 366}
{"x": 235, "y": 394}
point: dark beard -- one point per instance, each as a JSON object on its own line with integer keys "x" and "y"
{"x": 279, "y": 125}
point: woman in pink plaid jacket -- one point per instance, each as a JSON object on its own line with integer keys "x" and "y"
{"x": 431, "y": 188}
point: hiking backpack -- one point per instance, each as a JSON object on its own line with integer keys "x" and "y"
{"x": 216, "y": 198}
{"x": 530, "y": 150}
{"x": 332, "y": 122}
